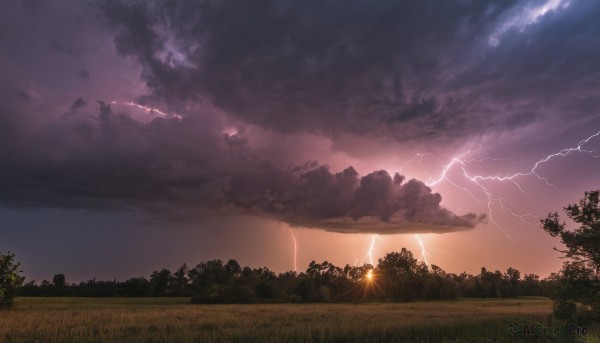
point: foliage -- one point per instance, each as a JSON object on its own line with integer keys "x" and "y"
{"x": 578, "y": 284}
{"x": 398, "y": 277}
{"x": 10, "y": 278}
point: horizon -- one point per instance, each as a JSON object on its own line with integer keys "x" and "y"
{"x": 70, "y": 281}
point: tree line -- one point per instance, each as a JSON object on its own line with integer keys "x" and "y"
{"x": 398, "y": 277}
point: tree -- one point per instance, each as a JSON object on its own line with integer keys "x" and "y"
{"x": 10, "y": 278}
{"x": 439, "y": 285}
{"x": 513, "y": 277}
{"x": 531, "y": 285}
{"x": 206, "y": 274}
{"x": 401, "y": 263}
{"x": 401, "y": 276}
{"x": 578, "y": 290}
{"x": 135, "y": 287}
{"x": 160, "y": 282}
{"x": 59, "y": 281}
{"x": 232, "y": 267}
{"x": 181, "y": 281}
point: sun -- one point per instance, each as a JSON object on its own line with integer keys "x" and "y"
{"x": 370, "y": 275}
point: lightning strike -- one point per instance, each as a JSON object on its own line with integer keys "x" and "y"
{"x": 146, "y": 108}
{"x": 295, "y": 251}
{"x": 369, "y": 255}
{"x": 533, "y": 171}
{"x": 417, "y": 155}
{"x": 295, "y": 243}
{"x": 490, "y": 199}
{"x": 446, "y": 168}
{"x": 423, "y": 250}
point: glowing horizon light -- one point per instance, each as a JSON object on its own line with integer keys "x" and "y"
{"x": 370, "y": 275}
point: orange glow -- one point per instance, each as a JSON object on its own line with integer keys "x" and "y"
{"x": 370, "y": 275}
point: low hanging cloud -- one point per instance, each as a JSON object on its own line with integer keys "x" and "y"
{"x": 98, "y": 159}
{"x": 345, "y": 202}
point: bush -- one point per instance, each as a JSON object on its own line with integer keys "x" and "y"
{"x": 10, "y": 278}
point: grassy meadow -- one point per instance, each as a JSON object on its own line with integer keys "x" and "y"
{"x": 175, "y": 320}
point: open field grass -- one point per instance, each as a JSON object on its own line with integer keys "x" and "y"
{"x": 175, "y": 320}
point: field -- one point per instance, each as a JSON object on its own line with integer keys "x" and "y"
{"x": 175, "y": 320}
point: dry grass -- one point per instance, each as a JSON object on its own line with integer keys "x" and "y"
{"x": 175, "y": 320}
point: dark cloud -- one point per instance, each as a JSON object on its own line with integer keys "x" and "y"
{"x": 84, "y": 74}
{"x": 539, "y": 68}
{"x": 79, "y": 102}
{"x": 404, "y": 69}
{"x": 69, "y": 50}
{"x": 179, "y": 170}
{"x": 326, "y": 66}
{"x": 343, "y": 202}
{"x": 24, "y": 95}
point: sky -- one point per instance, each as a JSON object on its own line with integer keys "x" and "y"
{"x": 140, "y": 135}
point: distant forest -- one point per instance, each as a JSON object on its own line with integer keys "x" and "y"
{"x": 398, "y": 277}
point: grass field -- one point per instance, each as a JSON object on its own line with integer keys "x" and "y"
{"x": 175, "y": 320}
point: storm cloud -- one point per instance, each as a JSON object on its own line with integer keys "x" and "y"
{"x": 408, "y": 70}
{"x": 250, "y": 80}
{"x": 97, "y": 159}
{"x": 327, "y": 66}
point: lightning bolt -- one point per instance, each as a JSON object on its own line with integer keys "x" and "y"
{"x": 369, "y": 256}
{"x": 446, "y": 168}
{"x": 533, "y": 171}
{"x": 417, "y": 155}
{"x": 294, "y": 241}
{"x": 146, "y": 108}
{"x": 295, "y": 251}
{"x": 371, "y": 249}
{"x": 423, "y": 250}
{"x": 478, "y": 180}
{"x": 490, "y": 199}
